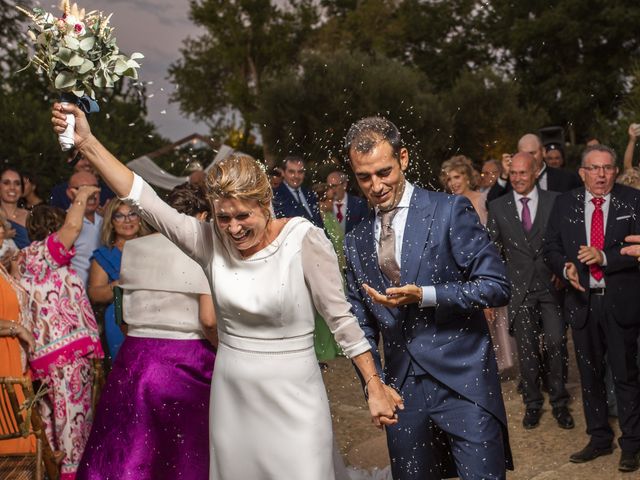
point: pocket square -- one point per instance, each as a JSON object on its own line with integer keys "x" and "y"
{"x": 623, "y": 217}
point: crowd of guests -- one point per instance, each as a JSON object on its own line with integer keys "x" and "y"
{"x": 84, "y": 280}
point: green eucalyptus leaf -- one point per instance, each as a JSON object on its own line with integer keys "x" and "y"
{"x": 76, "y": 61}
{"x": 72, "y": 42}
{"x": 86, "y": 66}
{"x": 87, "y": 44}
{"x": 64, "y": 80}
{"x": 120, "y": 66}
{"x": 136, "y": 56}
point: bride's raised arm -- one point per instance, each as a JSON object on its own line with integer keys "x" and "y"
{"x": 193, "y": 237}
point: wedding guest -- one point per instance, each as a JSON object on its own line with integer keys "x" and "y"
{"x": 348, "y": 209}
{"x": 10, "y": 192}
{"x": 457, "y": 178}
{"x": 324, "y": 343}
{"x": 291, "y": 199}
{"x": 275, "y": 177}
{"x": 634, "y": 133}
{"x": 491, "y": 170}
{"x": 585, "y": 235}
{"x": 120, "y": 224}
{"x": 267, "y": 275}
{"x": 89, "y": 238}
{"x": 30, "y": 196}
{"x": 517, "y": 224}
{"x": 8, "y": 248}
{"x": 15, "y": 342}
{"x": 152, "y": 419}
{"x": 59, "y": 196}
{"x": 63, "y": 325}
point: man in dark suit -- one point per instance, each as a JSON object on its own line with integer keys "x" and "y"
{"x": 517, "y": 222}
{"x": 437, "y": 270}
{"x": 291, "y": 199}
{"x": 552, "y": 179}
{"x": 348, "y": 209}
{"x": 583, "y": 245}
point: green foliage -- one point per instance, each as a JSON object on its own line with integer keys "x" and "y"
{"x": 308, "y": 110}
{"x": 27, "y": 141}
{"x": 245, "y": 42}
{"x": 487, "y": 118}
{"x": 569, "y": 55}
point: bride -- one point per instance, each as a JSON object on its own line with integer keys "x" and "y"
{"x": 269, "y": 411}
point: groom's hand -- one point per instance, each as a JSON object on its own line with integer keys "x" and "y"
{"x": 395, "y": 296}
{"x": 59, "y": 121}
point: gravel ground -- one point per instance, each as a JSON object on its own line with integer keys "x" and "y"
{"x": 541, "y": 454}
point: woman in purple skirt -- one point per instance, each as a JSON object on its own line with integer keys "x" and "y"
{"x": 153, "y": 418}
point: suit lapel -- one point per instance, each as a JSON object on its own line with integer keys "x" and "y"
{"x": 613, "y": 213}
{"x": 416, "y": 235}
{"x": 578, "y": 209}
{"x": 366, "y": 245}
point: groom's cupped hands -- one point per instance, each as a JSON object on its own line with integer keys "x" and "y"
{"x": 395, "y": 296}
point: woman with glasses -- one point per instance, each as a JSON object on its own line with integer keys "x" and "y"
{"x": 121, "y": 223}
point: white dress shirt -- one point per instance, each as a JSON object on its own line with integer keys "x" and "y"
{"x": 542, "y": 177}
{"x": 343, "y": 210}
{"x": 398, "y": 224}
{"x": 532, "y": 203}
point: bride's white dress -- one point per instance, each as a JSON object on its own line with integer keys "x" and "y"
{"x": 269, "y": 411}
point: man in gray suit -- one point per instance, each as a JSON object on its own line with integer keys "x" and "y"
{"x": 517, "y": 223}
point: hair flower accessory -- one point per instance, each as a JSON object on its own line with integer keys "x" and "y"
{"x": 77, "y": 52}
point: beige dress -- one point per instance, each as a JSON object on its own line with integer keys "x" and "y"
{"x": 269, "y": 409}
{"x": 504, "y": 345}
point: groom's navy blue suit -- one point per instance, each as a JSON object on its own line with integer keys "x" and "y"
{"x": 448, "y": 346}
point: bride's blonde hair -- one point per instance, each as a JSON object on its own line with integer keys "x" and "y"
{"x": 242, "y": 177}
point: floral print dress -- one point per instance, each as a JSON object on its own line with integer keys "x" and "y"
{"x": 67, "y": 340}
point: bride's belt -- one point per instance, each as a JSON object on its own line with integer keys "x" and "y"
{"x": 271, "y": 345}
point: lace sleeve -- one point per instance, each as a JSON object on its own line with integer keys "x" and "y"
{"x": 324, "y": 280}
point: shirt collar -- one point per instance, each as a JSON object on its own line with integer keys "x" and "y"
{"x": 532, "y": 195}
{"x": 588, "y": 196}
{"x": 405, "y": 201}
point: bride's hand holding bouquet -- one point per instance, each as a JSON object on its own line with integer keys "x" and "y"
{"x": 77, "y": 52}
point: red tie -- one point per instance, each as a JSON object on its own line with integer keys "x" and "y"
{"x": 339, "y": 215}
{"x": 597, "y": 235}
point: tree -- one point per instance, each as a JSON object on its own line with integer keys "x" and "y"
{"x": 28, "y": 142}
{"x": 245, "y": 43}
{"x": 486, "y": 115}
{"x": 572, "y": 56}
{"x": 309, "y": 109}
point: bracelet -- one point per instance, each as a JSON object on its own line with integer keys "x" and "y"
{"x": 366, "y": 384}
{"x": 13, "y": 331}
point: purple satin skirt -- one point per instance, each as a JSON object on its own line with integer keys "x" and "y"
{"x": 152, "y": 421}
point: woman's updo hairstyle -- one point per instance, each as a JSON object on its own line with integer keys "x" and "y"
{"x": 241, "y": 177}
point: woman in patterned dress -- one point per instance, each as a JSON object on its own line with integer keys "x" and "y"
{"x": 63, "y": 325}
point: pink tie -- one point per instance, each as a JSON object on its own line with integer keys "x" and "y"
{"x": 526, "y": 215}
{"x": 339, "y": 216}
{"x": 597, "y": 235}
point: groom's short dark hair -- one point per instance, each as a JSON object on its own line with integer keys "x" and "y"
{"x": 367, "y": 132}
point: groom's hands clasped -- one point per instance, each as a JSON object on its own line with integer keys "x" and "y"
{"x": 395, "y": 296}
{"x": 384, "y": 402}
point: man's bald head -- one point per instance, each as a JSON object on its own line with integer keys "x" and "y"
{"x": 531, "y": 144}
{"x": 523, "y": 173}
{"x": 80, "y": 179}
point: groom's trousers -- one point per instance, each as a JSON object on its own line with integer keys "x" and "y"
{"x": 474, "y": 435}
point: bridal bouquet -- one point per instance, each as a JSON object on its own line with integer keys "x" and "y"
{"x": 78, "y": 54}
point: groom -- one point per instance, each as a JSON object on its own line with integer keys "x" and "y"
{"x": 420, "y": 269}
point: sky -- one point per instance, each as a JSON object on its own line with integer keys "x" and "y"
{"x": 156, "y": 29}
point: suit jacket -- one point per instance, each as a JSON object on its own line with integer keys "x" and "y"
{"x": 566, "y": 232}
{"x": 285, "y": 205}
{"x": 357, "y": 210}
{"x": 522, "y": 251}
{"x": 444, "y": 245}
{"x": 558, "y": 180}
